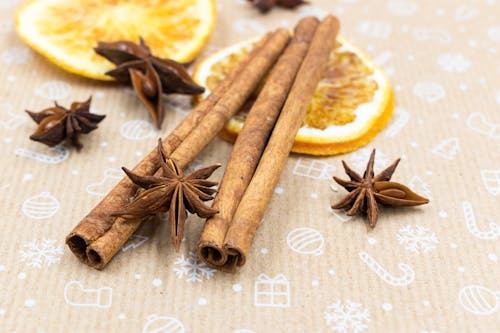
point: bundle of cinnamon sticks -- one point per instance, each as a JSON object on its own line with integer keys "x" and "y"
{"x": 259, "y": 155}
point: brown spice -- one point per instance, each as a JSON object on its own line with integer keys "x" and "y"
{"x": 150, "y": 76}
{"x": 251, "y": 142}
{"x": 266, "y": 5}
{"x": 365, "y": 192}
{"x": 56, "y": 124}
{"x": 99, "y": 236}
{"x": 172, "y": 192}
{"x": 257, "y": 196}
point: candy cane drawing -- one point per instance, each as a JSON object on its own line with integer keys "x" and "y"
{"x": 62, "y": 153}
{"x": 401, "y": 281}
{"x": 470, "y": 221}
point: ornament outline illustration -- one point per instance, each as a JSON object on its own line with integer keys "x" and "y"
{"x": 471, "y": 224}
{"x": 403, "y": 280}
{"x": 97, "y": 297}
{"x": 266, "y": 295}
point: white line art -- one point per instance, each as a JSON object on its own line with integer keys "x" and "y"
{"x": 272, "y": 292}
{"x": 360, "y": 157}
{"x": 479, "y": 300}
{"x": 17, "y": 55}
{"x": 41, "y": 206}
{"x": 75, "y": 294}
{"x": 248, "y": 25}
{"x": 161, "y": 324}
{"x": 430, "y": 92}
{"x": 347, "y": 317}
{"x": 417, "y": 239}
{"x": 53, "y": 90}
{"x": 58, "y": 155}
{"x": 494, "y": 33}
{"x": 383, "y": 58}
{"x": 405, "y": 279}
{"x": 10, "y": 120}
{"x": 465, "y": 13}
{"x": 315, "y": 169}
{"x": 375, "y": 29}
{"x": 491, "y": 180}
{"x": 453, "y": 62}
{"x": 402, "y": 7}
{"x": 448, "y": 148}
{"x": 470, "y": 222}
{"x": 102, "y": 187}
{"x": 418, "y": 185}
{"x": 432, "y": 34}
{"x": 400, "y": 119}
{"x": 192, "y": 268}
{"x": 134, "y": 242}
{"x": 478, "y": 122}
{"x": 306, "y": 240}
{"x": 41, "y": 253}
{"x": 138, "y": 130}
{"x": 341, "y": 215}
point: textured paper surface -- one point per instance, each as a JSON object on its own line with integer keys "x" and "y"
{"x": 429, "y": 269}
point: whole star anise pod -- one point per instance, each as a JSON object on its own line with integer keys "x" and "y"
{"x": 173, "y": 192}
{"x": 266, "y": 5}
{"x": 55, "y": 124}
{"x": 149, "y": 76}
{"x": 367, "y": 191}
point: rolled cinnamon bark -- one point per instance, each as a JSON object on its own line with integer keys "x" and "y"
{"x": 99, "y": 236}
{"x": 251, "y": 142}
{"x": 261, "y": 188}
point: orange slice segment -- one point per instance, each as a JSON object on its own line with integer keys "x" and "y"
{"x": 65, "y": 31}
{"x": 351, "y": 104}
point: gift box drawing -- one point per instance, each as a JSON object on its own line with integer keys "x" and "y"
{"x": 272, "y": 292}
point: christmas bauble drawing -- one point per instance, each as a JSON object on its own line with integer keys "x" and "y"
{"x": 41, "y": 206}
{"x": 479, "y": 300}
{"x": 306, "y": 240}
{"x": 159, "y": 324}
{"x": 137, "y": 130}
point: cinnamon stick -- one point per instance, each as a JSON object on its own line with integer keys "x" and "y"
{"x": 251, "y": 142}
{"x": 260, "y": 190}
{"x": 99, "y": 236}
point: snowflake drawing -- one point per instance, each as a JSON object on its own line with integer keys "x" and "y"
{"x": 348, "y": 317}
{"x": 417, "y": 239}
{"x": 453, "y": 62}
{"x": 41, "y": 253}
{"x": 192, "y": 269}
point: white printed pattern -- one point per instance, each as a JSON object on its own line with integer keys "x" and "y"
{"x": 8, "y": 119}
{"x": 399, "y": 121}
{"x": 41, "y": 253}
{"x": 102, "y": 187}
{"x": 491, "y": 180}
{"x": 272, "y": 292}
{"x": 405, "y": 279}
{"x": 306, "y": 241}
{"x": 470, "y": 221}
{"x": 478, "y": 122}
{"x": 418, "y": 185}
{"x": 160, "y": 324}
{"x": 192, "y": 268}
{"x": 430, "y": 92}
{"x": 75, "y": 294}
{"x": 447, "y": 149}
{"x": 416, "y": 239}
{"x": 58, "y": 154}
{"x": 311, "y": 168}
{"x": 53, "y": 90}
{"x": 479, "y": 300}
{"x": 430, "y": 34}
{"x": 138, "y": 130}
{"x": 134, "y": 242}
{"x": 347, "y": 317}
{"x": 41, "y": 206}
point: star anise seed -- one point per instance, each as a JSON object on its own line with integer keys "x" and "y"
{"x": 150, "y": 76}
{"x": 365, "y": 193}
{"x": 55, "y": 124}
{"x": 266, "y": 5}
{"x": 173, "y": 192}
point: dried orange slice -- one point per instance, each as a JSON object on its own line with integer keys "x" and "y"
{"x": 351, "y": 104}
{"x": 65, "y": 31}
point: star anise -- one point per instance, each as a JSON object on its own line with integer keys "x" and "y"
{"x": 149, "y": 76}
{"x": 55, "y": 124}
{"x": 367, "y": 191}
{"x": 266, "y": 5}
{"x": 173, "y": 192}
